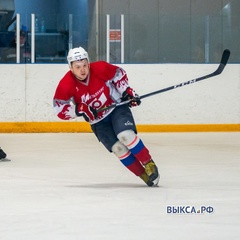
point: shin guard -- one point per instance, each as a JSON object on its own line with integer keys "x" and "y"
{"x": 135, "y": 145}
{"x": 128, "y": 159}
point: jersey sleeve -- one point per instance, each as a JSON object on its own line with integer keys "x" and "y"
{"x": 65, "y": 110}
{"x": 120, "y": 80}
{"x": 116, "y": 75}
{"x": 63, "y": 102}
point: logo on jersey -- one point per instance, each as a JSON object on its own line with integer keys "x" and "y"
{"x": 98, "y": 102}
{"x": 128, "y": 123}
{"x": 95, "y": 100}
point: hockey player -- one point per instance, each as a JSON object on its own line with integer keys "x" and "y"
{"x": 2, "y": 154}
{"x": 87, "y": 87}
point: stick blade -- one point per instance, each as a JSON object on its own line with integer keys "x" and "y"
{"x": 223, "y": 63}
{"x": 225, "y": 56}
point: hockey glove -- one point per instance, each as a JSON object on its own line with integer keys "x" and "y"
{"x": 129, "y": 94}
{"x": 85, "y": 111}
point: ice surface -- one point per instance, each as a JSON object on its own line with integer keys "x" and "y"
{"x": 68, "y": 187}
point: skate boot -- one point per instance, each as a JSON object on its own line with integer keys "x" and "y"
{"x": 2, "y": 154}
{"x": 152, "y": 172}
{"x": 145, "y": 178}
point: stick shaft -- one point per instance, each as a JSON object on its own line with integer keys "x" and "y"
{"x": 223, "y": 62}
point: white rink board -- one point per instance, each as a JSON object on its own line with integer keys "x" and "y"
{"x": 26, "y": 93}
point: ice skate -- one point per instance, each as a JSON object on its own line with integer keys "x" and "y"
{"x": 145, "y": 178}
{"x": 2, "y": 154}
{"x": 152, "y": 172}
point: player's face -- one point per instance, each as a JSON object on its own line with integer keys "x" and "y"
{"x": 80, "y": 69}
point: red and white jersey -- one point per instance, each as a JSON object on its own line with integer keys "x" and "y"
{"x": 103, "y": 87}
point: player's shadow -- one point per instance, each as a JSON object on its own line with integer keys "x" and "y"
{"x": 110, "y": 185}
{"x": 5, "y": 160}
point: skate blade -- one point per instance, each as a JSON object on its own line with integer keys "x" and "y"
{"x": 156, "y": 181}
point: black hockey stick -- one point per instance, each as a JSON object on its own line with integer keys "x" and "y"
{"x": 223, "y": 62}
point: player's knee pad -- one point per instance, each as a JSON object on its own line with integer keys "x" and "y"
{"x": 126, "y": 137}
{"x": 119, "y": 149}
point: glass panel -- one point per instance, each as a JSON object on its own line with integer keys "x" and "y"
{"x": 51, "y": 38}
{"x": 154, "y": 33}
{"x": 196, "y": 34}
{"x": 8, "y": 42}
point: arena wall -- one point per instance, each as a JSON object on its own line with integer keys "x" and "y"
{"x": 26, "y": 93}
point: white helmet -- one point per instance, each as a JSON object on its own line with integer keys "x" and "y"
{"x": 76, "y": 54}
